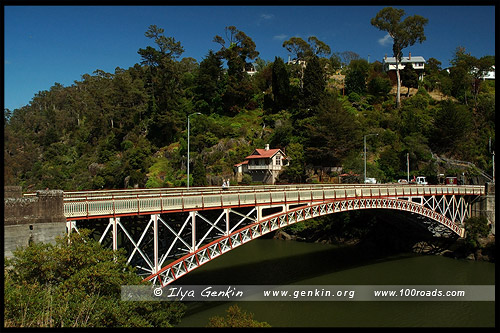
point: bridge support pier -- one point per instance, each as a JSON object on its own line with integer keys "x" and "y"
{"x": 485, "y": 206}
{"x": 192, "y": 216}
{"x": 37, "y": 218}
{"x": 489, "y": 205}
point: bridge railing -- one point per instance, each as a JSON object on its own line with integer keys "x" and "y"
{"x": 93, "y": 204}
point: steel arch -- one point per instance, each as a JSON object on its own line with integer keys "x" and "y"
{"x": 259, "y": 227}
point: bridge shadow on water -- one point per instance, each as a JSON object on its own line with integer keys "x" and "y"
{"x": 280, "y": 262}
{"x": 284, "y": 270}
{"x": 287, "y": 270}
{"x": 287, "y": 262}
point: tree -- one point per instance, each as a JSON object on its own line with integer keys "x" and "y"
{"x": 77, "y": 283}
{"x": 467, "y": 73}
{"x": 404, "y": 34}
{"x": 295, "y": 171}
{"x": 318, "y": 48}
{"x": 304, "y": 51}
{"x": 379, "y": 86}
{"x": 314, "y": 83}
{"x": 236, "y": 317}
{"x": 349, "y": 56}
{"x": 452, "y": 125}
{"x": 355, "y": 80}
{"x": 409, "y": 78}
{"x": 163, "y": 81}
{"x": 332, "y": 133}
{"x": 208, "y": 84}
{"x": 335, "y": 62}
{"x": 239, "y": 89}
{"x": 298, "y": 47}
{"x": 476, "y": 227}
{"x": 240, "y": 48}
{"x": 280, "y": 85}
{"x": 168, "y": 49}
{"x": 432, "y": 78}
{"x": 199, "y": 174}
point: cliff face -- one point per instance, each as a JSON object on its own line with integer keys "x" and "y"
{"x": 390, "y": 233}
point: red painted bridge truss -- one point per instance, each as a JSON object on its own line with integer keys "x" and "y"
{"x": 196, "y": 239}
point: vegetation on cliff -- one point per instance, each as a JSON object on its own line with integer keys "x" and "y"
{"x": 129, "y": 128}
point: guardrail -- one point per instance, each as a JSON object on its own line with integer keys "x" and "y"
{"x": 107, "y": 203}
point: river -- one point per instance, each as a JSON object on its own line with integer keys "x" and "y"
{"x": 278, "y": 262}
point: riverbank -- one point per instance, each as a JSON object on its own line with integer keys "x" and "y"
{"x": 386, "y": 234}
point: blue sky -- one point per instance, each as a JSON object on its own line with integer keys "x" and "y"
{"x": 48, "y": 44}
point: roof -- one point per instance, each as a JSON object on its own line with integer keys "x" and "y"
{"x": 392, "y": 60}
{"x": 262, "y": 153}
{"x": 241, "y": 163}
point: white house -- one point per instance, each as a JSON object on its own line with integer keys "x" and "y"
{"x": 417, "y": 62}
{"x": 264, "y": 165}
{"x": 250, "y": 68}
{"x": 490, "y": 75}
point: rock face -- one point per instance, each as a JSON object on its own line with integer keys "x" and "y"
{"x": 280, "y": 234}
{"x": 389, "y": 234}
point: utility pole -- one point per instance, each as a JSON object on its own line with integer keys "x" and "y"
{"x": 364, "y": 142}
{"x": 188, "y": 150}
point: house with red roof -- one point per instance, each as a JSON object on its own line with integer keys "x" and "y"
{"x": 264, "y": 165}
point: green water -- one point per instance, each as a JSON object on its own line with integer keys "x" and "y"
{"x": 276, "y": 262}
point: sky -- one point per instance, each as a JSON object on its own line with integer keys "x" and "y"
{"x": 48, "y": 44}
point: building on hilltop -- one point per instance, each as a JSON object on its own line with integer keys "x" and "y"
{"x": 489, "y": 75}
{"x": 417, "y": 62}
{"x": 264, "y": 165}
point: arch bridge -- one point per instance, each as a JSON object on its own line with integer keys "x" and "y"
{"x": 168, "y": 232}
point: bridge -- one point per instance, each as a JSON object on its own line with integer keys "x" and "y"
{"x": 211, "y": 221}
{"x": 168, "y": 232}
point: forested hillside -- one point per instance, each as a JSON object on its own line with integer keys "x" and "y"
{"x": 129, "y": 128}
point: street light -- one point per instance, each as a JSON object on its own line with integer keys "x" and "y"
{"x": 364, "y": 141}
{"x": 188, "y": 149}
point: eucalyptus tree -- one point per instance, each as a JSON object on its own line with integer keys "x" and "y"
{"x": 304, "y": 51}
{"x": 237, "y": 49}
{"x": 241, "y": 47}
{"x": 467, "y": 73}
{"x": 165, "y": 120}
{"x": 404, "y": 33}
{"x": 349, "y": 56}
{"x": 169, "y": 49}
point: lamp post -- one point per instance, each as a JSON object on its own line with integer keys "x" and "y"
{"x": 364, "y": 141}
{"x": 188, "y": 149}
{"x": 408, "y": 167}
{"x": 493, "y": 167}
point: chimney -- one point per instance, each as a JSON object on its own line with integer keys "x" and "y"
{"x": 267, "y": 146}
{"x": 409, "y": 56}
{"x": 385, "y": 56}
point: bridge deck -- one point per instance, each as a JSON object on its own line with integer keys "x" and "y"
{"x": 109, "y": 203}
